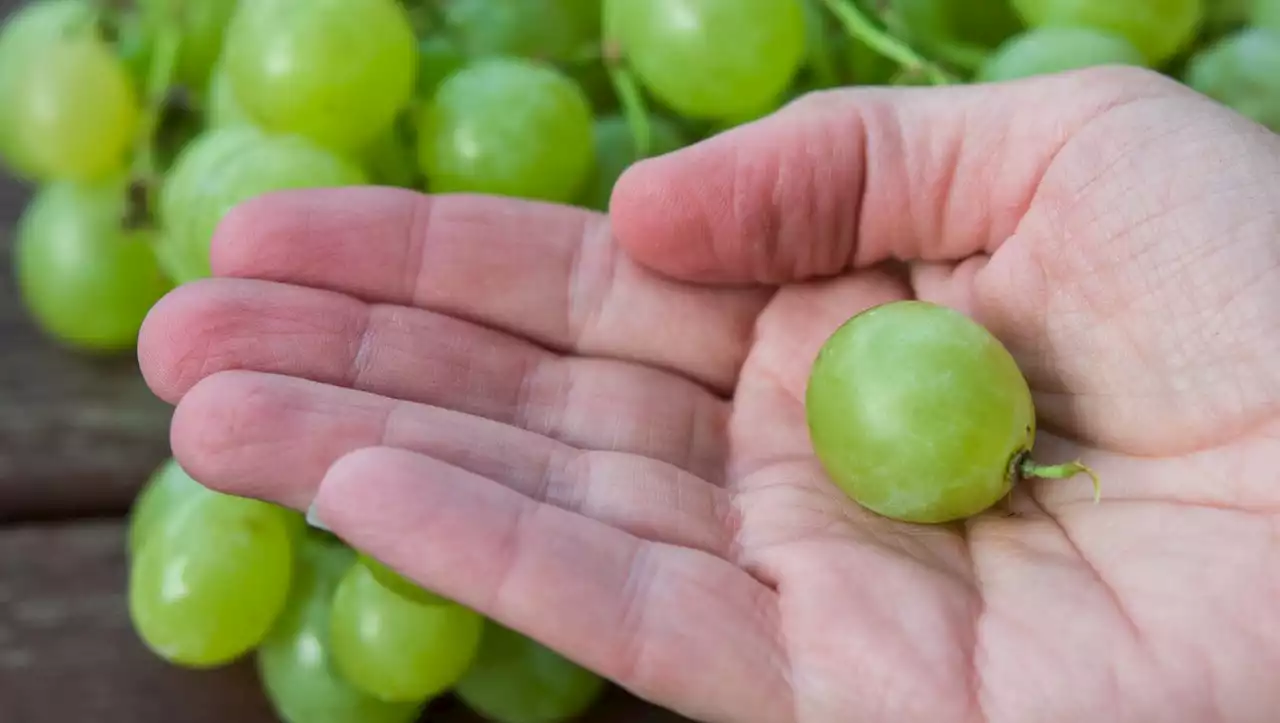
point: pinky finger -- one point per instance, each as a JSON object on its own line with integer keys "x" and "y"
{"x": 679, "y": 627}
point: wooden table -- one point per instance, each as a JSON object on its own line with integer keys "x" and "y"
{"x": 77, "y": 439}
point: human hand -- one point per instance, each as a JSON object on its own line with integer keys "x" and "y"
{"x": 595, "y": 434}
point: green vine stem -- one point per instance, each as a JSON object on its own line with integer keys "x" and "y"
{"x": 1030, "y": 469}
{"x": 160, "y": 77}
{"x": 859, "y": 26}
{"x": 631, "y": 97}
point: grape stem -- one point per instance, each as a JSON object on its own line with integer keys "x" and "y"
{"x": 630, "y": 96}
{"x": 860, "y": 27}
{"x": 164, "y": 66}
{"x": 144, "y": 170}
{"x": 1030, "y": 469}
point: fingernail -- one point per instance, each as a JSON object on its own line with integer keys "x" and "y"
{"x": 313, "y": 519}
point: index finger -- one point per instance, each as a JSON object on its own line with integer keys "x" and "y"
{"x": 550, "y": 273}
{"x": 849, "y": 178}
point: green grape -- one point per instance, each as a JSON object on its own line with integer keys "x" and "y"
{"x": 438, "y": 58}
{"x": 86, "y": 279}
{"x": 551, "y": 30}
{"x": 1158, "y": 28}
{"x": 201, "y": 25}
{"x": 209, "y": 582}
{"x": 22, "y": 35}
{"x": 394, "y": 648}
{"x": 516, "y": 680}
{"x": 1266, "y": 14}
{"x": 509, "y": 127}
{"x": 393, "y": 581}
{"x": 169, "y": 488}
{"x": 1242, "y": 71}
{"x": 223, "y": 109}
{"x": 616, "y": 151}
{"x": 710, "y": 59}
{"x": 918, "y": 413}
{"x": 1041, "y": 51}
{"x": 334, "y": 71}
{"x": 225, "y": 167}
{"x": 68, "y": 109}
{"x": 294, "y": 661}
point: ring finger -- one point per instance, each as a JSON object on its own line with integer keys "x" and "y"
{"x": 274, "y": 437}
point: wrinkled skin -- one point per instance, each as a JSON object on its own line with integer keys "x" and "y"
{"x": 593, "y": 431}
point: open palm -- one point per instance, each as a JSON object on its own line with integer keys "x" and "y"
{"x": 593, "y": 431}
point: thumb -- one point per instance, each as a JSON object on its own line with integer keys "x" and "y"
{"x": 853, "y": 177}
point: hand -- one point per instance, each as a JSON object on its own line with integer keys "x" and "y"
{"x": 594, "y": 433}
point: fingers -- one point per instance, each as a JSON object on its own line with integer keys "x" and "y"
{"x": 273, "y": 437}
{"x": 852, "y": 177}
{"x": 672, "y": 625}
{"x": 425, "y": 357}
{"x": 550, "y": 273}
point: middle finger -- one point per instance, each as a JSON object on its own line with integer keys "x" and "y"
{"x": 430, "y": 358}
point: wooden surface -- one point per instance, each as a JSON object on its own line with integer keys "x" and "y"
{"x": 77, "y": 439}
{"x": 76, "y": 434}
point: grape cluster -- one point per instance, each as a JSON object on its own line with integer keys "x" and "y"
{"x": 142, "y": 122}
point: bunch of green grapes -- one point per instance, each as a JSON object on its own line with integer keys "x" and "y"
{"x": 142, "y": 123}
{"x": 337, "y": 636}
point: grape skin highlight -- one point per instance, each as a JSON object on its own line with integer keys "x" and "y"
{"x": 918, "y": 413}
{"x": 208, "y": 583}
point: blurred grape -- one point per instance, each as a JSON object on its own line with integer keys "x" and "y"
{"x": 86, "y": 278}
{"x": 1242, "y": 71}
{"x": 517, "y": 680}
{"x": 1041, "y": 51}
